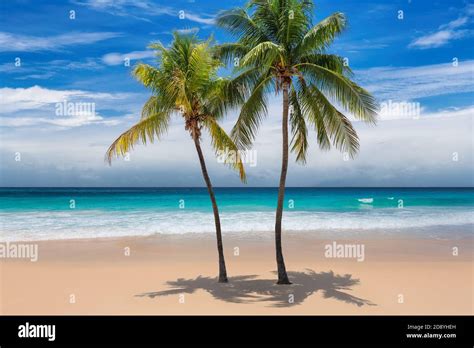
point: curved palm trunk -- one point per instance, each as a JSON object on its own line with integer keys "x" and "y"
{"x": 220, "y": 248}
{"x": 282, "y": 276}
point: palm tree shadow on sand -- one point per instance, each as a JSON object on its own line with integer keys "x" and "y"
{"x": 249, "y": 289}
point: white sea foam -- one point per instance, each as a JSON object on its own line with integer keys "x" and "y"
{"x": 95, "y": 223}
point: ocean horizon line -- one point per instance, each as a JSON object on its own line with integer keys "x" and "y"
{"x": 218, "y": 187}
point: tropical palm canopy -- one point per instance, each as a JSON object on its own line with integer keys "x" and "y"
{"x": 185, "y": 83}
{"x": 279, "y": 49}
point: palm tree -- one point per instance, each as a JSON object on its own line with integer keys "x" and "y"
{"x": 279, "y": 49}
{"x": 185, "y": 83}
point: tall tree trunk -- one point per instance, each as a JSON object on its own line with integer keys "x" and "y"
{"x": 220, "y": 248}
{"x": 282, "y": 276}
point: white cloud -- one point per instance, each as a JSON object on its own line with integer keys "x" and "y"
{"x": 439, "y": 38}
{"x": 20, "y": 43}
{"x": 188, "y": 31}
{"x": 467, "y": 112}
{"x": 408, "y": 83}
{"x": 140, "y": 9}
{"x": 399, "y": 114}
{"x": 35, "y": 105}
{"x": 80, "y": 119}
{"x": 41, "y": 76}
{"x": 364, "y": 44}
{"x": 19, "y": 99}
{"x": 46, "y": 70}
{"x": 399, "y": 152}
{"x": 405, "y": 152}
{"x": 446, "y": 32}
{"x": 456, "y": 23}
{"x": 119, "y": 58}
{"x": 199, "y": 19}
{"x": 88, "y": 64}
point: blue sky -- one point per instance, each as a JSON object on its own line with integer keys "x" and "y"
{"x": 421, "y": 55}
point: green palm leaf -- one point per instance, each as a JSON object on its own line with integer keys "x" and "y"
{"x": 328, "y": 121}
{"x": 146, "y": 130}
{"x": 351, "y": 96}
{"x": 322, "y": 34}
{"x": 299, "y": 130}
{"x": 251, "y": 113}
{"x": 225, "y": 146}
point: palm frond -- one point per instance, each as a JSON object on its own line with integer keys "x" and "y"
{"x": 299, "y": 130}
{"x": 238, "y": 22}
{"x": 157, "y": 104}
{"x": 329, "y": 61}
{"x": 265, "y": 53}
{"x": 322, "y": 34}
{"x": 294, "y": 21}
{"x": 229, "y": 51}
{"x": 146, "y": 130}
{"x": 352, "y": 97}
{"x": 201, "y": 69}
{"x": 222, "y": 96}
{"x": 251, "y": 113}
{"x": 225, "y": 146}
{"x": 146, "y": 74}
{"x": 329, "y": 121}
{"x": 310, "y": 109}
{"x": 266, "y": 15}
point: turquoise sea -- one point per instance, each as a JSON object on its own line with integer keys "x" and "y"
{"x": 58, "y": 213}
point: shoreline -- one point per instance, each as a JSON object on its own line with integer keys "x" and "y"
{"x": 464, "y": 232}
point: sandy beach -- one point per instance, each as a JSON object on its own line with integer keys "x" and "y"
{"x": 175, "y": 275}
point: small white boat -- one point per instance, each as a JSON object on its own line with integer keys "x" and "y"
{"x": 366, "y": 200}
